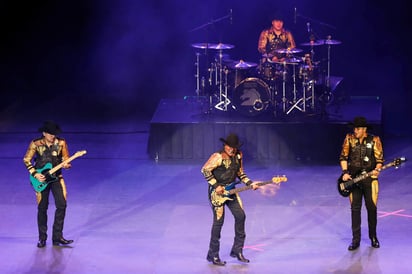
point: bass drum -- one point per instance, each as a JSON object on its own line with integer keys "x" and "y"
{"x": 251, "y": 97}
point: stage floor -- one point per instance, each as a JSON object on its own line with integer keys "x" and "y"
{"x": 130, "y": 214}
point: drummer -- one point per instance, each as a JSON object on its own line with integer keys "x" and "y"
{"x": 274, "y": 39}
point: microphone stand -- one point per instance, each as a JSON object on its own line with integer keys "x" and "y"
{"x": 213, "y": 21}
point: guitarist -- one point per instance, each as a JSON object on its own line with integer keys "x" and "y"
{"x": 362, "y": 152}
{"x": 220, "y": 170}
{"x": 49, "y": 149}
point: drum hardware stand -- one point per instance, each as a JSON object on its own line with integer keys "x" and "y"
{"x": 306, "y": 85}
{"x": 295, "y": 101}
{"x": 224, "y": 100}
{"x": 197, "y": 75}
{"x": 284, "y": 99}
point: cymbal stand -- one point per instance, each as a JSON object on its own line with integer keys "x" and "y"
{"x": 296, "y": 102}
{"x": 326, "y": 96}
{"x": 284, "y": 99}
{"x": 197, "y": 75}
{"x": 223, "y": 98}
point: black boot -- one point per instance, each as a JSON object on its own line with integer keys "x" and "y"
{"x": 62, "y": 241}
{"x": 239, "y": 256}
{"x": 375, "y": 243}
{"x": 353, "y": 246}
{"x": 215, "y": 260}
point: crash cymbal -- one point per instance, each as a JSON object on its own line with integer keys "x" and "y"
{"x": 331, "y": 42}
{"x": 289, "y": 51}
{"x": 242, "y": 65}
{"x": 204, "y": 45}
{"x": 313, "y": 43}
{"x": 222, "y": 46}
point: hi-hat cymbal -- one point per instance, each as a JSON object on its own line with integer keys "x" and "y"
{"x": 204, "y": 45}
{"x": 212, "y": 46}
{"x": 313, "y": 43}
{"x": 331, "y": 42}
{"x": 289, "y": 51}
{"x": 222, "y": 46}
{"x": 242, "y": 65}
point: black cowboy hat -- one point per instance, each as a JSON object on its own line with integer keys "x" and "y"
{"x": 359, "y": 122}
{"x": 232, "y": 140}
{"x": 50, "y": 127}
{"x": 278, "y": 16}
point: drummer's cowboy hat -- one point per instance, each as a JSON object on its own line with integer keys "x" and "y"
{"x": 50, "y": 127}
{"x": 359, "y": 122}
{"x": 232, "y": 140}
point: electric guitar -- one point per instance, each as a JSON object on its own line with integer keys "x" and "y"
{"x": 345, "y": 187}
{"x": 48, "y": 172}
{"x": 219, "y": 199}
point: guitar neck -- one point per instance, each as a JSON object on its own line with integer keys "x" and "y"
{"x": 370, "y": 173}
{"x": 243, "y": 188}
{"x": 59, "y": 166}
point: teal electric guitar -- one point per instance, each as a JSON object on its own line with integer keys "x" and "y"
{"x": 48, "y": 171}
{"x": 219, "y": 199}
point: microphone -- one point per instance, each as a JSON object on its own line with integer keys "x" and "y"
{"x": 294, "y": 17}
{"x": 231, "y": 16}
{"x": 308, "y": 26}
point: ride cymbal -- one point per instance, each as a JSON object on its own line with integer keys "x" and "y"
{"x": 313, "y": 43}
{"x": 242, "y": 65}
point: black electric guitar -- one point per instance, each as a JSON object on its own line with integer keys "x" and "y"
{"x": 48, "y": 172}
{"x": 345, "y": 187}
{"x": 219, "y": 199}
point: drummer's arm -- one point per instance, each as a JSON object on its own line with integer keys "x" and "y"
{"x": 291, "y": 41}
{"x": 262, "y": 42}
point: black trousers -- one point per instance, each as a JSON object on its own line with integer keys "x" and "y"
{"x": 364, "y": 190}
{"x": 218, "y": 220}
{"x": 57, "y": 190}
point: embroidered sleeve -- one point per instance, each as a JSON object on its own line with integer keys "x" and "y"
{"x": 64, "y": 149}
{"x": 378, "y": 150}
{"x": 291, "y": 40}
{"x": 345, "y": 149}
{"x": 262, "y": 41}
{"x": 28, "y": 157}
{"x": 213, "y": 162}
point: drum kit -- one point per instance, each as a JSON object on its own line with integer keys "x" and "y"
{"x": 253, "y": 88}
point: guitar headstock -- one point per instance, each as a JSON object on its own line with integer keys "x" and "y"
{"x": 279, "y": 179}
{"x": 399, "y": 161}
{"x": 80, "y": 153}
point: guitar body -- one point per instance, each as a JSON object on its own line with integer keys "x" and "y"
{"x": 50, "y": 178}
{"x": 343, "y": 189}
{"x": 48, "y": 171}
{"x": 217, "y": 199}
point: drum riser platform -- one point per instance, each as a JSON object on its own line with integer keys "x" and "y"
{"x": 180, "y": 130}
